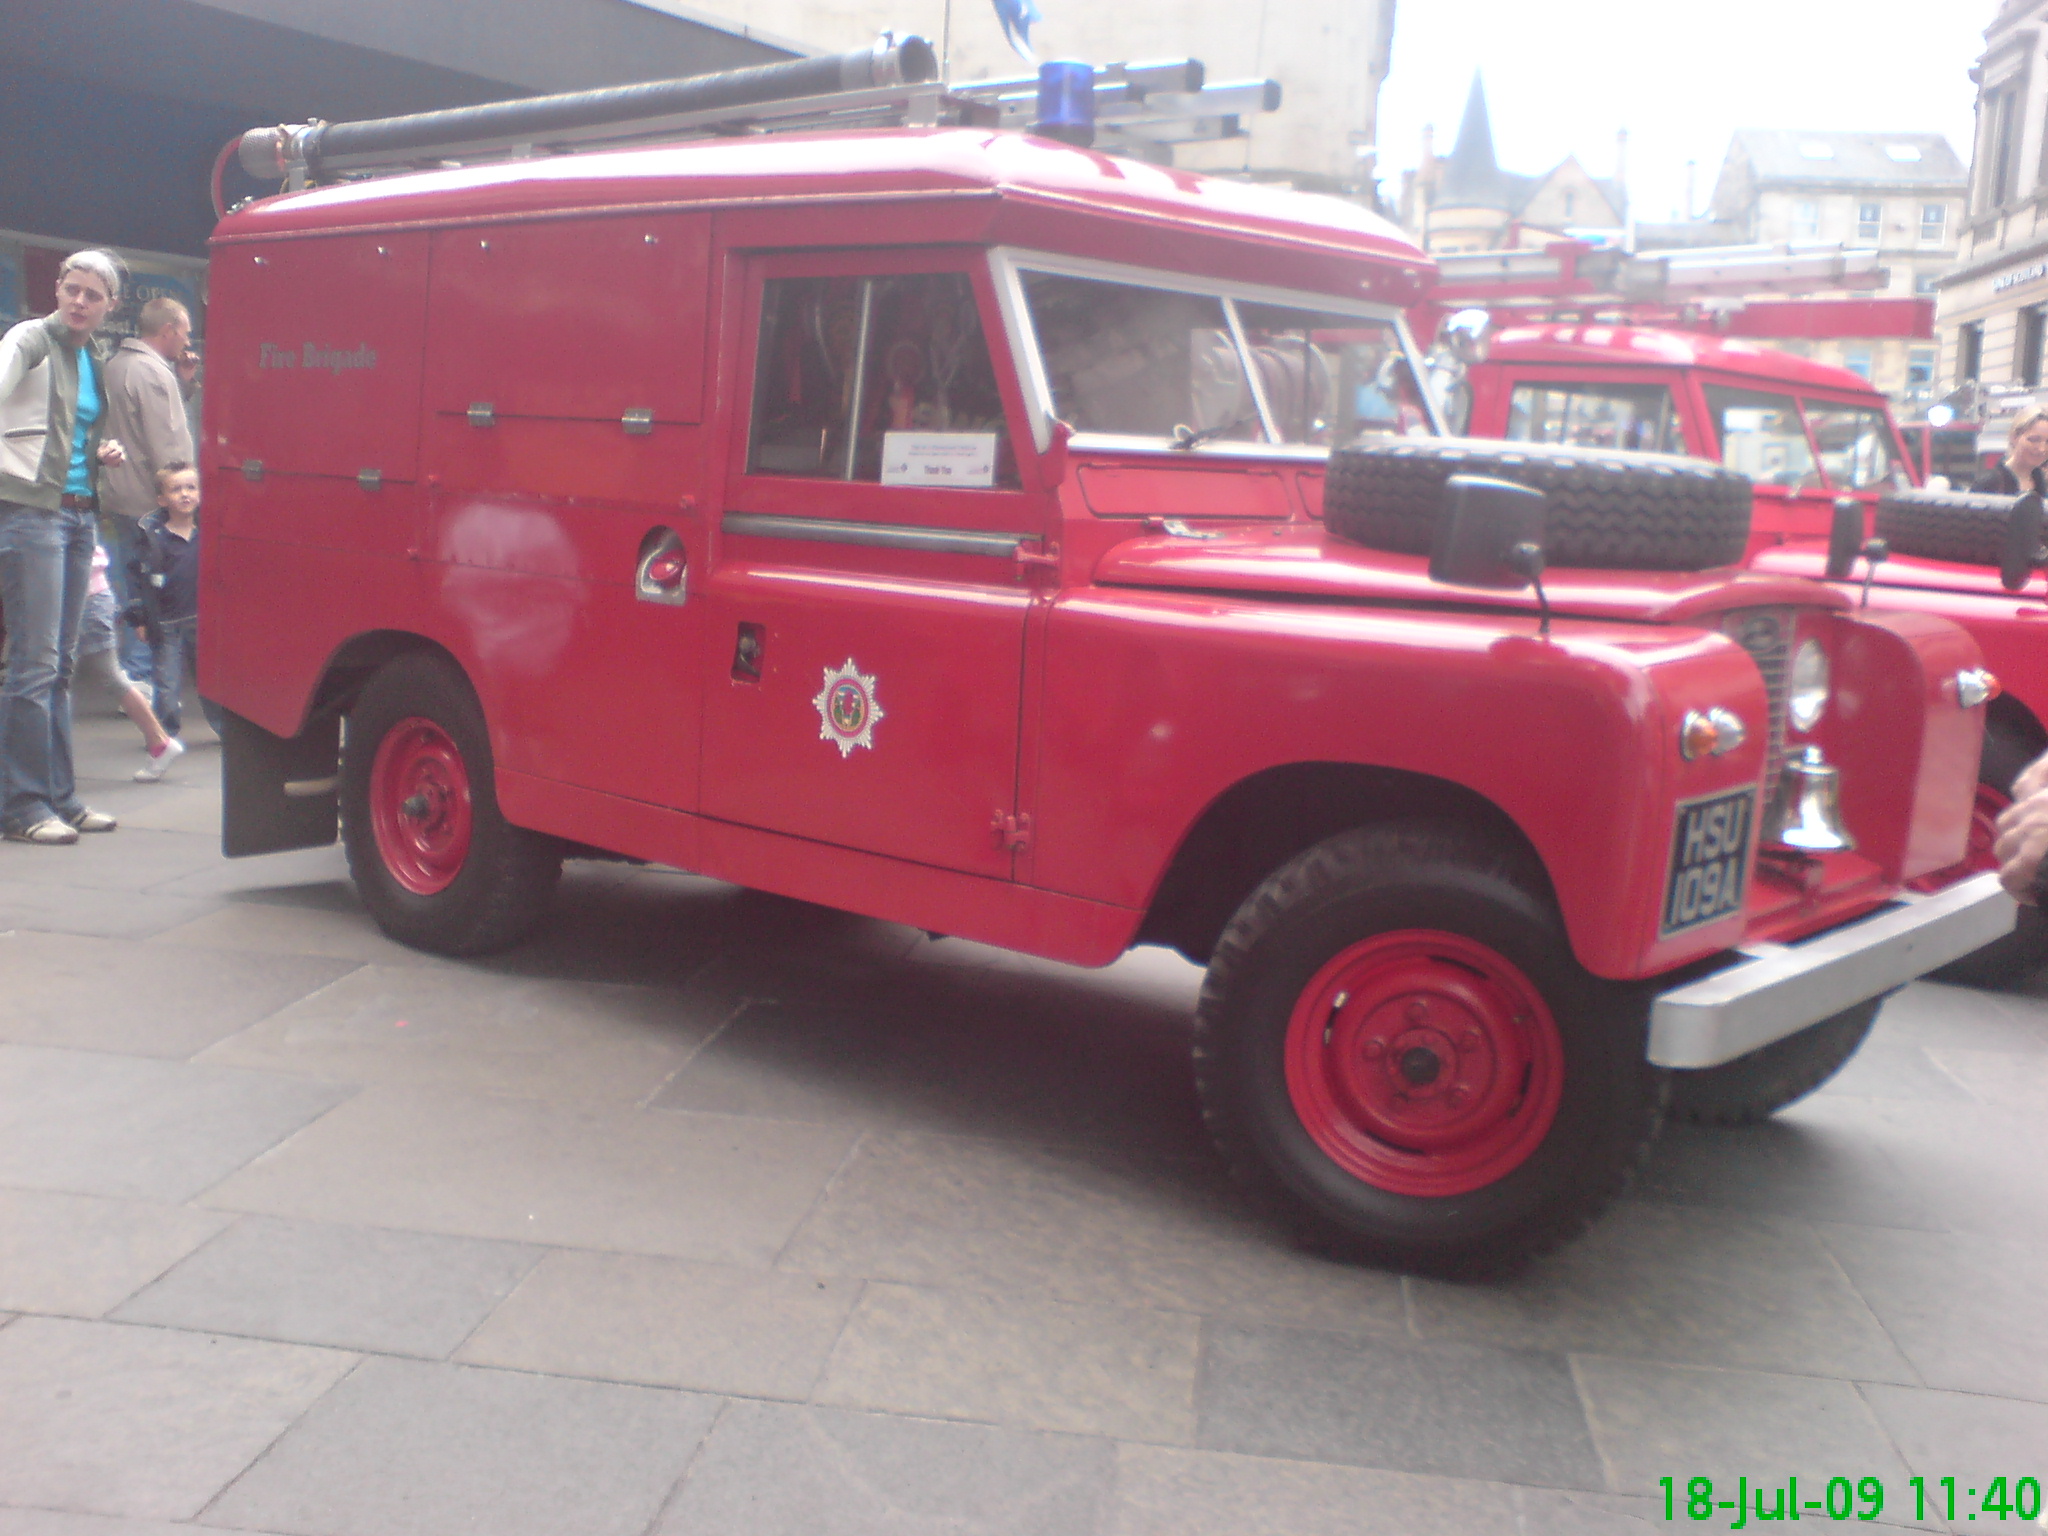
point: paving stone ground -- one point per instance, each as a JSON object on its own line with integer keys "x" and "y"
{"x": 708, "y": 1212}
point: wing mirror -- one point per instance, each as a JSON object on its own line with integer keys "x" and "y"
{"x": 1490, "y": 534}
{"x": 1846, "y": 545}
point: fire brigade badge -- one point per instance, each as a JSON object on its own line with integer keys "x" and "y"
{"x": 847, "y": 710}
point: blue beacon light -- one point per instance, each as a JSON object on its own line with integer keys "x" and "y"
{"x": 1066, "y": 102}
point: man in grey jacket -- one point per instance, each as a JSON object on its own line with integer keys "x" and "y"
{"x": 146, "y": 412}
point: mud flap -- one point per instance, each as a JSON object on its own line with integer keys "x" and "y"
{"x": 279, "y": 792}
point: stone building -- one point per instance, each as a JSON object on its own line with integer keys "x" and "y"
{"x": 1900, "y": 193}
{"x": 1466, "y": 202}
{"x": 1329, "y": 56}
{"x": 1992, "y": 310}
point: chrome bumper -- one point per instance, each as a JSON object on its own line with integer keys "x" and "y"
{"x": 1777, "y": 990}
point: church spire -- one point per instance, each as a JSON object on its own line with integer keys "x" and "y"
{"x": 1472, "y": 177}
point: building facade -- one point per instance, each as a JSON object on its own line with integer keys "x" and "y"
{"x": 1466, "y": 202}
{"x": 1992, "y": 311}
{"x": 1329, "y": 56}
{"x": 1902, "y": 194}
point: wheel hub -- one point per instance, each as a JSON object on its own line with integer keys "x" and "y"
{"x": 420, "y": 806}
{"x": 1424, "y": 1062}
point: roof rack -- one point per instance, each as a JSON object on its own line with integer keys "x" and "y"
{"x": 1139, "y": 108}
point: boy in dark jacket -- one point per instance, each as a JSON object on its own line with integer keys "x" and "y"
{"x": 163, "y": 571}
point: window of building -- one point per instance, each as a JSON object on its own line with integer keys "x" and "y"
{"x": 1805, "y": 219}
{"x": 1969, "y": 351}
{"x": 848, "y": 363}
{"x": 1920, "y": 368}
{"x": 1636, "y": 416}
{"x": 1870, "y": 222}
{"x": 1905, "y": 154}
{"x": 1925, "y": 279}
{"x": 1857, "y": 361}
{"x": 2033, "y": 325}
{"x": 1933, "y": 223}
{"x": 2000, "y": 151}
{"x": 1817, "y": 149}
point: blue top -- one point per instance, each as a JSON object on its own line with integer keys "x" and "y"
{"x": 80, "y": 481}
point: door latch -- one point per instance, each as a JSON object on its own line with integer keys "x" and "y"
{"x": 1013, "y": 832}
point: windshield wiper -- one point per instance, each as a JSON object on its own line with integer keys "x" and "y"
{"x": 1186, "y": 437}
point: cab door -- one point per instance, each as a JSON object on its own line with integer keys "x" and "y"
{"x": 865, "y": 613}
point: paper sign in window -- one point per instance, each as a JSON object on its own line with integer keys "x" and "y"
{"x": 939, "y": 458}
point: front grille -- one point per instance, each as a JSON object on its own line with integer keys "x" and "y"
{"x": 1766, "y": 633}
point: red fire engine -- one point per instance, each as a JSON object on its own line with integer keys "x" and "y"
{"x": 1602, "y": 348}
{"x": 916, "y": 520}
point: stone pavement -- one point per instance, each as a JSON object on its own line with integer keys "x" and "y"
{"x": 712, "y": 1213}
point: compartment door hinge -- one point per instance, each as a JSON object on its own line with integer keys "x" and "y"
{"x": 1013, "y": 832}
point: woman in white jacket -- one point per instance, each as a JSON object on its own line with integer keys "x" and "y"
{"x": 51, "y": 404}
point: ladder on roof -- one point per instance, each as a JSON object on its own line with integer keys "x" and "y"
{"x": 1140, "y": 108}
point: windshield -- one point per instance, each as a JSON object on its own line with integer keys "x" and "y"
{"x": 1131, "y": 360}
{"x": 1634, "y": 416}
{"x": 1761, "y": 436}
{"x": 1856, "y": 447}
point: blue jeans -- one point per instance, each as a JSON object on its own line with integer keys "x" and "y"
{"x": 45, "y": 567}
{"x": 177, "y": 658}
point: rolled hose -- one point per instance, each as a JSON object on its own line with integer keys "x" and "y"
{"x": 909, "y": 61}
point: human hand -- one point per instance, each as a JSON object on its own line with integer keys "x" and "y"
{"x": 111, "y": 452}
{"x": 2023, "y": 833}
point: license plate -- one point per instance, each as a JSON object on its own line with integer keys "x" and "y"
{"x": 1709, "y": 855}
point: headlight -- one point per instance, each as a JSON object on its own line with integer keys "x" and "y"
{"x": 1809, "y": 696}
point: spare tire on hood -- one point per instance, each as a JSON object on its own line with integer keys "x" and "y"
{"x": 1607, "y": 508}
{"x": 1963, "y": 526}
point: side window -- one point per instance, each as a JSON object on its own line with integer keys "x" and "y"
{"x": 1762, "y": 436}
{"x": 883, "y": 378}
{"x": 1633, "y": 416}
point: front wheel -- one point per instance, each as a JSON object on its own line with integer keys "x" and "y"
{"x": 437, "y": 865}
{"x": 1396, "y": 1050}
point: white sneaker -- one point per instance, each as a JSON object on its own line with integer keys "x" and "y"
{"x": 153, "y": 770}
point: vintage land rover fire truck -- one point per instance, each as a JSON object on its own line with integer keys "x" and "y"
{"x": 1566, "y": 365}
{"x": 916, "y": 520}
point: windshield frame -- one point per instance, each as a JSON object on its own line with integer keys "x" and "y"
{"x": 1008, "y": 264}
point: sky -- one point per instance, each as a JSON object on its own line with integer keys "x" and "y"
{"x": 1563, "y": 75}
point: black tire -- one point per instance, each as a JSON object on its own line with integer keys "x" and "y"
{"x": 488, "y": 888}
{"x": 2007, "y": 961}
{"x": 1965, "y": 527}
{"x": 1432, "y": 907}
{"x": 1606, "y": 509}
{"x": 1757, "y": 1086}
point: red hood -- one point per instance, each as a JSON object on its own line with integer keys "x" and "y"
{"x": 1294, "y": 561}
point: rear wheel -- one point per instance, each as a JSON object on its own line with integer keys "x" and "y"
{"x": 1396, "y": 1051}
{"x": 2024, "y": 951}
{"x": 438, "y": 867}
{"x": 1756, "y": 1086}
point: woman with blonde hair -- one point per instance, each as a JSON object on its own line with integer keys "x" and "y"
{"x": 52, "y": 401}
{"x": 2026, "y": 451}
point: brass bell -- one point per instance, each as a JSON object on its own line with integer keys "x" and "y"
{"x": 1810, "y": 801}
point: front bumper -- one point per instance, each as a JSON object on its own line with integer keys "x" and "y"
{"x": 1776, "y": 990}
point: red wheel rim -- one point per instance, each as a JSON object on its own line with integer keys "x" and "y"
{"x": 1977, "y": 855}
{"x": 420, "y": 806}
{"x": 1424, "y": 1063}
